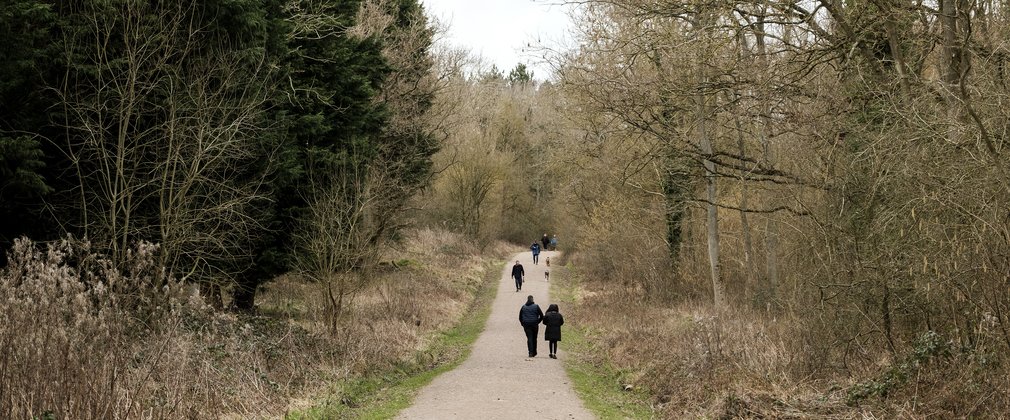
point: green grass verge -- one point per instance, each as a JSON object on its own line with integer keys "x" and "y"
{"x": 381, "y": 395}
{"x": 596, "y": 381}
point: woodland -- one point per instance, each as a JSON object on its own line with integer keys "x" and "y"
{"x": 769, "y": 209}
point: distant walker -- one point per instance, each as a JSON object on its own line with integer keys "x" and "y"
{"x": 518, "y": 274}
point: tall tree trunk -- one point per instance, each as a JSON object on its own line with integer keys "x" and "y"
{"x": 748, "y": 244}
{"x": 674, "y": 177}
{"x": 673, "y": 196}
{"x": 712, "y": 212}
{"x": 951, "y": 44}
{"x": 705, "y": 145}
{"x": 771, "y": 227}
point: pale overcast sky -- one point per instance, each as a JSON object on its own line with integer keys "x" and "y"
{"x": 501, "y": 30}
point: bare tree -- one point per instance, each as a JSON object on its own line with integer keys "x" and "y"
{"x": 335, "y": 242}
{"x": 162, "y": 127}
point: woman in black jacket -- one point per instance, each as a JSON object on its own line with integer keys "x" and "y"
{"x": 552, "y": 333}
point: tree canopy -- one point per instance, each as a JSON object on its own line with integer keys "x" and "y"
{"x": 206, "y": 126}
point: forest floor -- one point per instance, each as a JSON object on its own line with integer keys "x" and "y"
{"x": 498, "y": 381}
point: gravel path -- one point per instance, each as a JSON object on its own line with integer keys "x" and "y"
{"x": 498, "y": 381}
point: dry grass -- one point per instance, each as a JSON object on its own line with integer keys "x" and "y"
{"x": 79, "y": 339}
{"x": 695, "y": 362}
{"x": 699, "y": 363}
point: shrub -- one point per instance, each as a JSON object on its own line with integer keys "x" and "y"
{"x": 69, "y": 321}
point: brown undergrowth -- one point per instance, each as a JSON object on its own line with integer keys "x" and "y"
{"x": 82, "y": 339}
{"x": 697, "y": 362}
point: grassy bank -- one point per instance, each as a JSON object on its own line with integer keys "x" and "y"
{"x": 603, "y": 388}
{"x": 153, "y": 343}
{"x": 381, "y": 394}
{"x": 682, "y": 359}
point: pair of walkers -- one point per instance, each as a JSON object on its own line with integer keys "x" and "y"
{"x": 530, "y": 316}
{"x": 550, "y": 243}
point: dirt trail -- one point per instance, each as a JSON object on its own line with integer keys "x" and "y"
{"x": 498, "y": 381}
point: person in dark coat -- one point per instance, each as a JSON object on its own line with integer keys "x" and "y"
{"x": 530, "y": 317}
{"x": 545, "y": 240}
{"x": 518, "y": 274}
{"x": 552, "y": 332}
{"x": 535, "y": 248}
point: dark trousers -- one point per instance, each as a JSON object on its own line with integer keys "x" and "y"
{"x": 531, "y": 337}
{"x": 552, "y": 345}
{"x": 536, "y": 258}
{"x": 519, "y": 283}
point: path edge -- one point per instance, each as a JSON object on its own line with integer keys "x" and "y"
{"x": 597, "y": 385}
{"x": 385, "y": 394}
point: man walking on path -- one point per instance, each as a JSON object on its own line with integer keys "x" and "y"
{"x": 545, "y": 240}
{"x": 530, "y": 317}
{"x": 518, "y": 273}
{"x": 536, "y": 252}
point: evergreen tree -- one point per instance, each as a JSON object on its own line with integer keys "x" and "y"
{"x": 520, "y": 76}
{"x": 407, "y": 143}
{"x": 98, "y": 99}
{"x": 492, "y": 75}
{"x": 25, "y": 28}
{"x": 162, "y": 108}
{"x": 330, "y": 124}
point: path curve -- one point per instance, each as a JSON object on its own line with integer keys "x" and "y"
{"x": 498, "y": 381}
